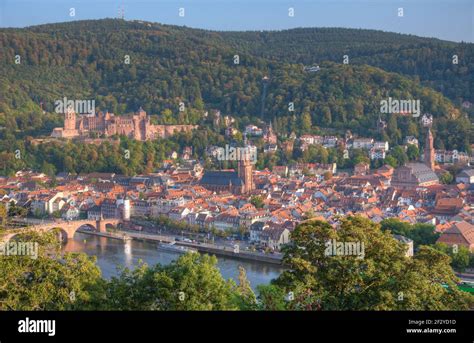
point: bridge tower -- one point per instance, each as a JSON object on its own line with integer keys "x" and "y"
{"x": 99, "y": 224}
{"x": 126, "y": 208}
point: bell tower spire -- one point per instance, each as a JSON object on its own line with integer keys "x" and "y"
{"x": 429, "y": 153}
{"x": 245, "y": 172}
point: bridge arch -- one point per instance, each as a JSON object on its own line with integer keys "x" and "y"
{"x": 12, "y": 237}
{"x": 62, "y": 234}
{"x": 67, "y": 229}
{"x": 87, "y": 225}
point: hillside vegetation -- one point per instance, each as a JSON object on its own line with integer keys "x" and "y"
{"x": 170, "y": 64}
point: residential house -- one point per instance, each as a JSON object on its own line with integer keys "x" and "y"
{"x": 178, "y": 213}
{"x": 465, "y": 176}
{"x": 459, "y": 234}
{"x": 253, "y": 130}
{"x": 362, "y": 143}
{"x": 411, "y": 140}
{"x": 361, "y": 169}
{"x": 377, "y": 154}
{"x": 330, "y": 141}
{"x": 280, "y": 170}
{"x": 46, "y": 203}
{"x": 70, "y": 212}
{"x": 226, "y": 221}
{"x": 408, "y": 242}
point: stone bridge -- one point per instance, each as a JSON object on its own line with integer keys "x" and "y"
{"x": 67, "y": 228}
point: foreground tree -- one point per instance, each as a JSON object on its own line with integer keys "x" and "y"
{"x": 3, "y": 215}
{"x": 49, "y": 280}
{"x": 192, "y": 282}
{"x": 257, "y": 201}
{"x": 244, "y": 297}
{"x": 460, "y": 256}
{"x": 420, "y": 233}
{"x": 378, "y": 277}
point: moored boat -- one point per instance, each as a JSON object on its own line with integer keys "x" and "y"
{"x": 172, "y": 247}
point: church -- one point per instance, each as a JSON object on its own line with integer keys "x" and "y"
{"x": 136, "y": 126}
{"x": 417, "y": 174}
{"x": 236, "y": 182}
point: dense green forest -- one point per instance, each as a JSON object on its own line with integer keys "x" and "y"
{"x": 170, "y": 64}
{"x": 424, "y": 59}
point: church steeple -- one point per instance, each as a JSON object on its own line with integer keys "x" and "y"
{"x": 245, "y": 173}
{"x": 429, "y": 153}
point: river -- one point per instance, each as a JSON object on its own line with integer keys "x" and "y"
{"x": 113, "y": 253}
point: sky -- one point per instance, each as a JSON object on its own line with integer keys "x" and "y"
{"x": 445, "y": 19}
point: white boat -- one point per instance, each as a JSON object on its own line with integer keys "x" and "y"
{"x": 172, "y": 247}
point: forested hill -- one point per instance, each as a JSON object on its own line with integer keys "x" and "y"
{"x": 170, "y": 64}
{"x": 429, "y": 59}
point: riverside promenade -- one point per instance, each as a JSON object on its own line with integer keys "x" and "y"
{"x": 214, "y": 249}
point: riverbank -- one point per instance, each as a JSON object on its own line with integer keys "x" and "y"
{"x": 112, "y": 255}
{"x": 214, "y": 249}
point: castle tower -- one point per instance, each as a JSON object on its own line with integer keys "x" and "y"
{"x": 141, "y": 112}
{"x": 70, "y": 119}
{"x": 245, "y": 173}
{"x": 429, "y": 153}
{"x": 140, "y": 120}
{"x": 137, "y": 127}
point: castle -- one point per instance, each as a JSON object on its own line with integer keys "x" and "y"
{"x": 136, "y": 126}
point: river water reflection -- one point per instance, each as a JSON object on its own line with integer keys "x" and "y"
{"x": 113, "y": 253}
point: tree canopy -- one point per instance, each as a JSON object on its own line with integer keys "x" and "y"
{"x": 376, "y": 276}
{"x": 170, "y": 65}
{"x": 384, "y": 279}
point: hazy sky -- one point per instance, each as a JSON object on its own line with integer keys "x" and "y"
{"x": 445, "y": 19}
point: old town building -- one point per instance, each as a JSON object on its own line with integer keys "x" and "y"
{"x": 236, "y": 182}
{"x": 417, "y": 174}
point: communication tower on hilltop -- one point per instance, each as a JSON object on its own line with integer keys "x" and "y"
{"x": 121, "y": 12}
